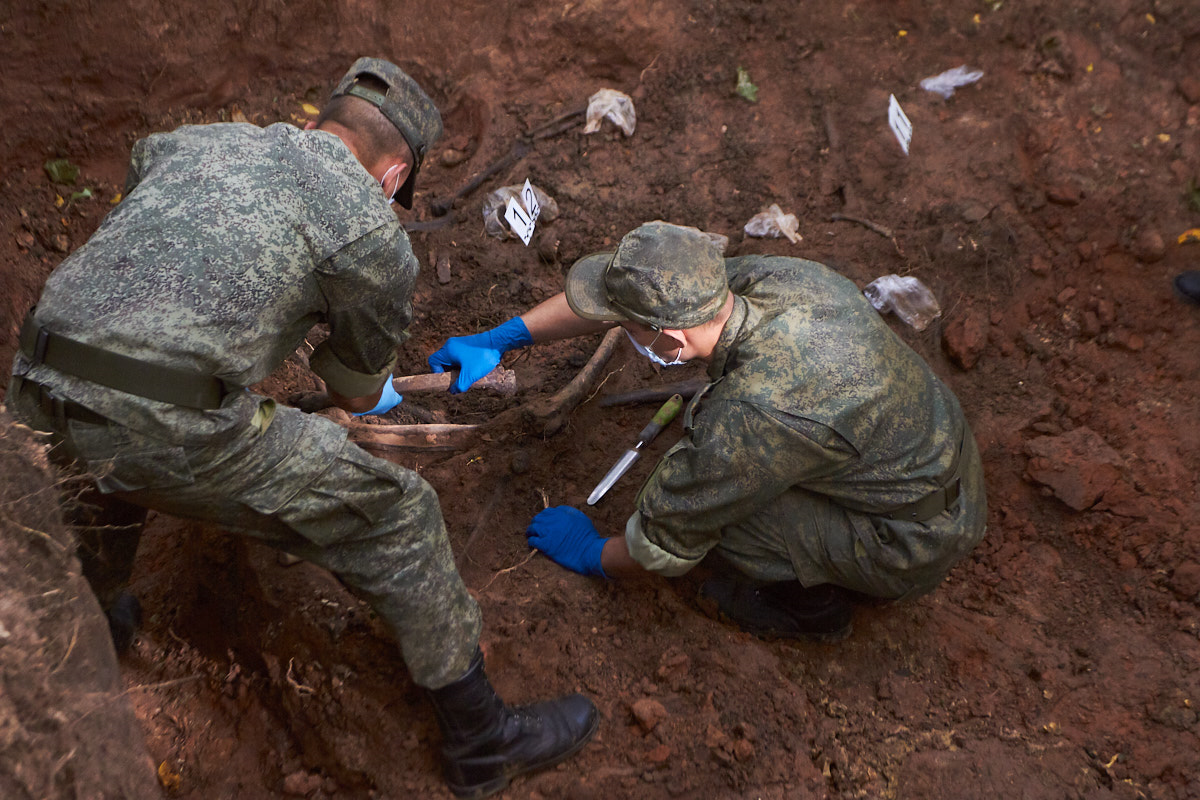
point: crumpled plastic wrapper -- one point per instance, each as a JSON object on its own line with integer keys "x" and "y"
{"x": 613, "y": 105}
{"x": 906, "y": 297}
{"x": 496, "y": 202}
{"x": 773, "y": 223}
{"x": 951, "y": 79}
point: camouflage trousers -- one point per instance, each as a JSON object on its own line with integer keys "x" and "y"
{"x": 806, "y": 536}
{"x": 298, "y": 485}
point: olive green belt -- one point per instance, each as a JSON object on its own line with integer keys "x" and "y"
{"x": 933, "y": 503}
{"x": 125, "y": 374}
{"x": 928, "y": 506}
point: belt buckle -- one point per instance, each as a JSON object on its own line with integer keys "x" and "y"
{"x": 40, "y": 345}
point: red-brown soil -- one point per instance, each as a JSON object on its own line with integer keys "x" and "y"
{"x": 1041, "y": 205}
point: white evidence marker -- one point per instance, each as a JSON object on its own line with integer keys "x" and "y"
{"x": 522, "y": 216}
{"x": 899, "y": 123}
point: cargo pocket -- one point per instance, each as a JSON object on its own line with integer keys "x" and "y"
{"x": 300, "y": 448}
{"x": 359, "y": 497}
{"x": 121, "y": 460}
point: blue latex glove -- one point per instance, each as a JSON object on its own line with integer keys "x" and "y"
{"x": 569, "y": 538}
{"x": 476, "y": 355}
{"x": 387, "y": 400}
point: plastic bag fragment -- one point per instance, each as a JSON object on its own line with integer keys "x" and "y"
{"x": 496, "y": 202}
{"x": 906, "y": 297}
{"x": 774, "y": 223}
{"x": 951, "y": 79}
{"x": 614, "y": 105}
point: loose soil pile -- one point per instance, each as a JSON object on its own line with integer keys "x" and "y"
{"x": 1041, "y": 205}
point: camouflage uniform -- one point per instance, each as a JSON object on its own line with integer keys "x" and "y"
{"x": 232, "y": 242}
{"x": 818, "y": 420}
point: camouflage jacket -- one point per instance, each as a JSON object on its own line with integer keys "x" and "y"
{"x": 810, "y": 388}
{"x": 232, "y": 241}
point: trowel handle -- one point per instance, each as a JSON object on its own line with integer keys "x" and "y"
{"x": 662, "y": 419}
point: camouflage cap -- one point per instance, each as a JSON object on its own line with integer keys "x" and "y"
{"x": 661, "y": 275}
{"x": 405, "y": 105}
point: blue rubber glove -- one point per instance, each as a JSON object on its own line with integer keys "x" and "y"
{"x": 476, "y": 355}
{"x": 387, "y": 400}
{"x": 569, "y": 538}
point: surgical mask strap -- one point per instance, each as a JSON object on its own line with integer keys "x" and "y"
{"x": 654, "y": 357}
{"x": 383, "y": 183}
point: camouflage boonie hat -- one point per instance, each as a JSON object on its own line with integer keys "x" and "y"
{"x": 661, "y": 275}
{"x": 405, "y": 105}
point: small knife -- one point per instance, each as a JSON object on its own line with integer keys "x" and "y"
{"x": 661, "y": 420}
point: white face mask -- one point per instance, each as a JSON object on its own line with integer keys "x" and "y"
{"x": 383, "y": 183}
{"x": 653, "y": 356}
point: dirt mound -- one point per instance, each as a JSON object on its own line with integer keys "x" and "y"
{"x": 67, "y": 729}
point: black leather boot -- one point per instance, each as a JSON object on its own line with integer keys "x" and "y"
{"x": 1188, "y": 285}
{"x": 784, "y": 610}
{"x": 124, "y": 618}
{"x": 485, "y": 744}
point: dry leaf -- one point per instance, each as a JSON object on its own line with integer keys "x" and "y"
{"x": 1190, "y": 236}
{"x": 169, "y": 779}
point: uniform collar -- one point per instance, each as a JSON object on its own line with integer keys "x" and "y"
{"x": 736, "y": 327}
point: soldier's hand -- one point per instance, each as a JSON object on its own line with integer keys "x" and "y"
{"x": 569, "y": 538}
{"x": 476, "y": 355}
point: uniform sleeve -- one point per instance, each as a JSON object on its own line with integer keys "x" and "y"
{"x": 368, "y": 287}
{"x": 737, "y": 459}
{"x": 141, "y": 157}
{"x": 137, "y": 158}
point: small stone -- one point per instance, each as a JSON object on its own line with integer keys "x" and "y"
{"x": 1186, "y": 579}
{"x": 443, "y": 270}
{"x": 648, "y": 713}
{"x": 452, "y": 158}
{"x": 301, "y": 783}
{"x": 287, "y": 559}
{"x": 1189, "y": 87}
{"x": 715, "y": 738}
{"x": 674, "y": 662}
{"x": 973, "y": 211}
{"x": 659, "y": 754}
{"x": 519, "y": 463}
{"x": 547, "y": 248}
{"x": 1064, "y": 194}
{"x": 965, "y": 338}
{"x": 743, "y": 750}
{"x": 1149, "y": 246}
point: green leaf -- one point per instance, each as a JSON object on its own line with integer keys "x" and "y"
{"x": 84, "y": 195}
{"x": 1192, "y": 194}
{"x": 744, "y": 87}
{"x": 62, "y": 171}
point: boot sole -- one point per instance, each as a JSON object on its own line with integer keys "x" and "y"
{"x": 770, "y": 634}
{"x": 480, "y": 790}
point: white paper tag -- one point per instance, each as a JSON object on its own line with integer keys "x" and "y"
{"x": 522, "y": 216}
{"x": 899, "y": 123}
{"x": 530, "y": 201}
